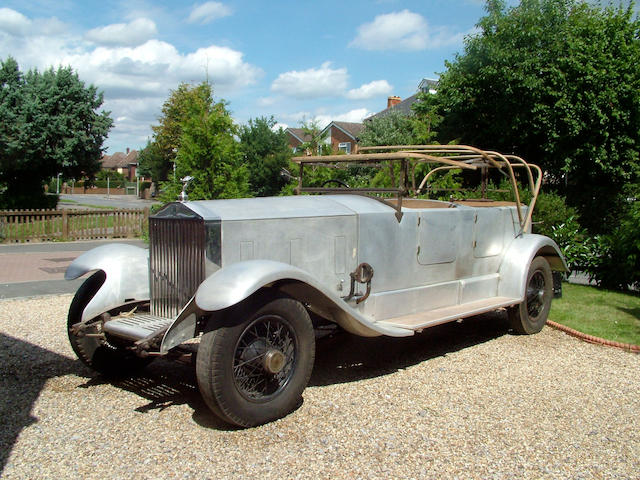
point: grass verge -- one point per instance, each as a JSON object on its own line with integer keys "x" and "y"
{"x": 602, "y": 313}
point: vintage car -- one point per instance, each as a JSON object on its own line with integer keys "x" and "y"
{"x": 242, "y": 286}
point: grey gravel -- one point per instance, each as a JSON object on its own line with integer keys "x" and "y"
{"x": 464, "y": 400}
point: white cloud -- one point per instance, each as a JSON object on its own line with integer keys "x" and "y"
{"x": 373, "y": 89}
{"x": 129, "y": 34}
{"x": 354, "y": 116}
{"x": 266, "y": 101}
{"x": 208, "y": 12}
{"x": 403, "y": 30}
{"x": 17, "y": 25}
{"x": 136, "y": 79}
{"x": 14, "y": 22}
{"x": 312, "y": 83}
{"x": 323, "y": 119}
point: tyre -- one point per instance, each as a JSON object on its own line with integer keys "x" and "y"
{"x": 96, "y": 352}
{"x": 531, "y": 315}
{"x": 254, "y": 372}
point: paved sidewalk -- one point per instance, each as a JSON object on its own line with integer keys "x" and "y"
{"x": 38, "y": 268}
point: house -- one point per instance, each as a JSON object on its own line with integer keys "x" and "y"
{"x": 125, "y": 163}
{"x": 428, "y": 85}
{"x": 403, "y": 107}
{"x": 297, "y": 137}
{"x": 343, "y": 136}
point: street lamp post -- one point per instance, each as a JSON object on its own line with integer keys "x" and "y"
{"x": 175, "y": 153}
{"x": 58, "y": 184}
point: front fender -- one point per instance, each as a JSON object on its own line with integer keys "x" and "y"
{"x": 233, "y": 284}
{"x": 127, "y": 276}
{"x": 515, "y": 264}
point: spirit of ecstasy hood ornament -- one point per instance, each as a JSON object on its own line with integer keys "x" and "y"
{"x": 185, "y": 184}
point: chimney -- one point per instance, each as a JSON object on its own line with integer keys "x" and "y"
{"x": 127, "y": 150}
{"x": 391, "y": 101}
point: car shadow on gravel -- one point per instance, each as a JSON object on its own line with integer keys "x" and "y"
{"x": 165, "y": 384}
{"x": 24, "y": 370}
{"x": 348, "y": 358}
{"x": 340, "y": 358}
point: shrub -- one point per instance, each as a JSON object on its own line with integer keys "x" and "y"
{"x": 112, "y": 175}
{"x": 551, "y": 211}
{"x": 579, "y": 249}
{"x": 617, "y": 265}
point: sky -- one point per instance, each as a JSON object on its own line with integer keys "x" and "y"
{"x": 297, "y": 61}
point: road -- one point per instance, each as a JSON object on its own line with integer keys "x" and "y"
{"x": 38, "y": 268}
{"x": 117, "y": 201}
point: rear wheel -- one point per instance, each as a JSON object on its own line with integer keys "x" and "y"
{"x": 89, "y": 343}
{"x": 531, "y": 315}
{"x": 254, "y": 372}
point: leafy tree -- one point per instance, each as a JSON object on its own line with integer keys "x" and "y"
{"x": 208, "y": 151}
{"x": 158, "y": 159}
{"x": 266, "y": 153}
{"x": 48, "y": 125}
{"x": 558, "y": 83}
{"x": 317, "y": 135}
{"x": 616, "y": 263}
{"x": 426, "y": 118}
{"x": 152, "y": 163}
{"x": 391, "y": 129}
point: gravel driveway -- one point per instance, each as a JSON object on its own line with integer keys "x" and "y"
{"x": 464, "y": 400}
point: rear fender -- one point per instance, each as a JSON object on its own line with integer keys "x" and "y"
{"x": 127, "y": 276}
{"x": 515, "y": 264}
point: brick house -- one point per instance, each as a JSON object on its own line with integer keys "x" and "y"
{"x": 343, "y": 136}
{"x": 296, "y": 138}
{"x": 125, "y": 163}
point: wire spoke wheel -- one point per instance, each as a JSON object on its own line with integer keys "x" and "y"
{"x": 264, "y": 358}
{"x": 531, "y": 315}
{"x": 253, "y": 371}
{"x": 536, "y": 294}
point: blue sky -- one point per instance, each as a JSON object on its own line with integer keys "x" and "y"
{"x": 295, "y": 60}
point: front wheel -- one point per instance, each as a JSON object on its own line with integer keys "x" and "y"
{"x": 531, "y": 315}
{"x": 255, "y": 371}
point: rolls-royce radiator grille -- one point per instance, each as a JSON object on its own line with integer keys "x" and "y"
{"x": 176, "y": 262}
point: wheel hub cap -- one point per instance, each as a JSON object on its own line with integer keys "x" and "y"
{"x": 274, "y": 361}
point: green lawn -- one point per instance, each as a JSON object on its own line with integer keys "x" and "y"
{"x": 603, "y": 313}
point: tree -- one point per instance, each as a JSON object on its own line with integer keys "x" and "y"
{"x": 426, "y": 118}
{"x": 152, "y": 163}
{"x": 159, "y": 156}
{"x": 394, "y": 128}
{"x": 558, "y": 83}
{"x": 208, "y": 151}
{"x": 266, "y": 153}
{"x": 48, "y": 125}
{"x": 316, "y": 144}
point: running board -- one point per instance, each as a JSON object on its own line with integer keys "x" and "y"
{"x": 137, "y": 326}
{"x": 418, "y": 321}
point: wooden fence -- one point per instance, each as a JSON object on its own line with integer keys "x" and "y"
{"x": 60, "y": 225}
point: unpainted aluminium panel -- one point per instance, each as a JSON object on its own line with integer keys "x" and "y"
{"x": 325, "y": 247}
{"x": 489, "y": 231}
{"x": 438, "y": 236}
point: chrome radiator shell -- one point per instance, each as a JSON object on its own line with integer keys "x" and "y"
{"x": 176, "y": 262}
